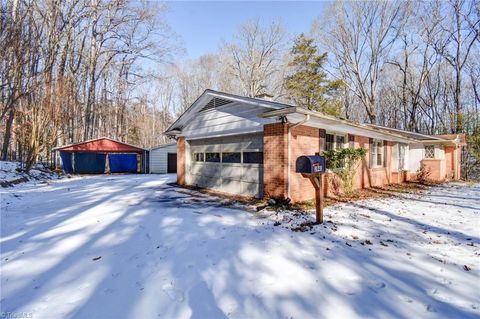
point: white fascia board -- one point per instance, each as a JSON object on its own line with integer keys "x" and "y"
{"x": 443, "y": 142}
{"x": 419, "y": 135}
{"x": 295, "y": 114}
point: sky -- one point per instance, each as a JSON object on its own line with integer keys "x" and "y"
{"x": 203, "y": 25}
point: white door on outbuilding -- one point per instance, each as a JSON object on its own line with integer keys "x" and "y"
{"x": 160, "y": 157}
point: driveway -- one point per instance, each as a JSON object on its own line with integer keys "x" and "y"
{"x": 136, "y": 246}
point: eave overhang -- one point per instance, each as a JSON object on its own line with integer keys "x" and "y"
{"x": 295, "y": 114}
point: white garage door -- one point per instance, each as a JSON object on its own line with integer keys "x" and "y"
{"x": 230, "y": 164}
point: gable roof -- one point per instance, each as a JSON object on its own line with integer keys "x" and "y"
{"x": 211, "y": 99}
{"x": 102, "y": 144}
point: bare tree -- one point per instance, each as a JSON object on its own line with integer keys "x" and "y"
{"x": 255, "y": 56}
{"x": 360, "y": 35}
{"x": 71, "y": 70}
{"x": 416, "y": 59}
{"x": 460, "y": 31}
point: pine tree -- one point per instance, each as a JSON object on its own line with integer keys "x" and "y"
{"x": 309, "y": 86}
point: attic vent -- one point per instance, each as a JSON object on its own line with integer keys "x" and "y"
{"x": 215, "y": 102}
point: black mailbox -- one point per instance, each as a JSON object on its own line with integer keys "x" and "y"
{"x": 310, "y": 164}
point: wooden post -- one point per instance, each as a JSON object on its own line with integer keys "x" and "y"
{"x": 316, "y": 180}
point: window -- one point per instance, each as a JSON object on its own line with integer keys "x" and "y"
{"x": 401, "y": 156}
{"x": 429, "y": 151}
{"x": 334, "y": 142}
{"x": 377, "y": 153}
{"x": 198, "y": 157}
{"x": 253, "y": 157}
{"x": 231, "y": 158}
{"x": 339, "y": 141}
{"x": 329, "y": 142}
{"x": 212, "y": 157}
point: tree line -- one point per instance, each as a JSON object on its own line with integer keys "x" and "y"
{"x": 71, "y": 71}
{"x": 74, "y": 70}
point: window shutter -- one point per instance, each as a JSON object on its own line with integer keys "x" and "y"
{"x": 351, "y": 140}
{"x": 384, "y": 154}
{"x": 322, "y": 140}
{"x": 395, "y": 155}
{"x": 370, "y": 152}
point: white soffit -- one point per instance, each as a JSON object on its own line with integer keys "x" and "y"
{"x": 334, "y": 125}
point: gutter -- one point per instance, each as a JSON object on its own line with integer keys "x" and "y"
{"x": 299, "y": 110}
{"x": 289, "y": 157}
{"x": 446, "y": 142}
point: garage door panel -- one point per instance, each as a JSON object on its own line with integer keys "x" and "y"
{"x": 197, "y": 169}
{"x": 251, "y": 189}
{"x": 231, "y": 186}
{"x": 232, "y": 171}
{"x": 253, "y": 174}
{"x": 206, "y": 182}
{"x": 206, "y": 169}
{"x": 235, "y": 178}
{"x": 195, "y": 180}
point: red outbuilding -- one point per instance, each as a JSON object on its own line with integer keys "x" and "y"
{"x": 101, "y": 155}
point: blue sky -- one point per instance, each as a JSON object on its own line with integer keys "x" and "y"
{"x": 202, "y": 25}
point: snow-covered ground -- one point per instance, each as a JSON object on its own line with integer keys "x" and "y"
{"x": 135, "y": 246}
{"x": 12, "y": 173}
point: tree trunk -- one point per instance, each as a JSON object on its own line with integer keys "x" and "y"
{"x": 8, "y": 134}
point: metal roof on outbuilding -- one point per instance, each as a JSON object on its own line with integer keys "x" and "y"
{"x": 102, "y": 144}
{"x": 162, "y": 146}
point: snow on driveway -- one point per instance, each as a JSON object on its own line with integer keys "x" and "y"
{"x": 134, "y": 246}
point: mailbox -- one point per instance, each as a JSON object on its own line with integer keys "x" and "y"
{"x": 310, "y": 164}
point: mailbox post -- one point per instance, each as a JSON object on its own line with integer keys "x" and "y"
{"x": 313, "y": 167}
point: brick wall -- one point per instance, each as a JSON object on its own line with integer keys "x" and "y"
{"x": 436, "y": 168}
{"x": 305, "y": 140}
{"x": 181, "y": 161}
{"x": 458, "y": 162}
{"x": 449, "y": 161}
{"x": 362, "y": 178}
{"x": 275, "y": 160}
{"x": 380, "y": 176}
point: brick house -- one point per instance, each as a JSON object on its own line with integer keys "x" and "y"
{"x": 248, "y": 146}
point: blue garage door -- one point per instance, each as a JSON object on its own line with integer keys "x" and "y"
{"x": 122, "y": 163}
{"x": 89, "y": 163}
{"x": 66, "y": 158}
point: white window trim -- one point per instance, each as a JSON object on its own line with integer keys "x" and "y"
{"x": 373, "y": 156}
{"x": 335, "y": 134}
{"x": 399, "y": 145}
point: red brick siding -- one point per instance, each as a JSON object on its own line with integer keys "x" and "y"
{"x": 436, "y": 168}
{"x": 181, "y": 161}
{"x": 305, "y": 140}
{"x": 450, "y": 162}
{"x": 275, "y": 160}
{"x": 362, "y": 178}
{"x": 377, "y": 176}
{"x": 308, "y": 141}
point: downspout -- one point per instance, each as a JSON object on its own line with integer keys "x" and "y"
{"x": 289, "y": 157}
